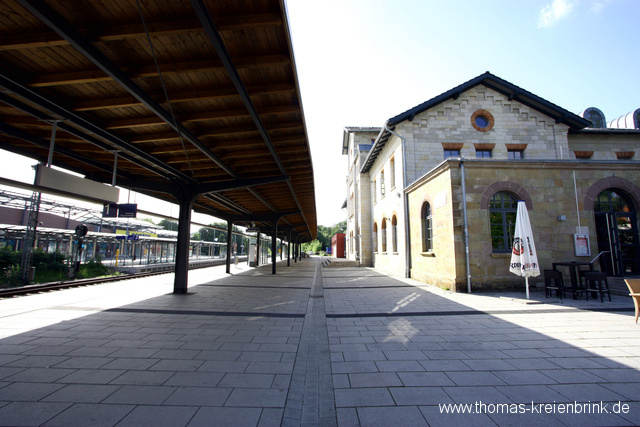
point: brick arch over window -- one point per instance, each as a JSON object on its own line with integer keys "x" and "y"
{"x": 632, "y": 190}
{"x": 509, "y": 186}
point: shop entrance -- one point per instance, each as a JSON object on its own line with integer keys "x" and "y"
{"x": 617, "y": 232}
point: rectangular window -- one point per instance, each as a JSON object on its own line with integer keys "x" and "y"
{"x": 516, "y": 154}
{"x": 451, "y": 154}
{"x": 483, "y": 154}
{"x": 382, "y": 189}
{"x": 392, "y": 171}
{"x": 375, "y": 190}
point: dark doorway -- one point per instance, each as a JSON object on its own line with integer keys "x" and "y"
{"x": 617, "y": 232}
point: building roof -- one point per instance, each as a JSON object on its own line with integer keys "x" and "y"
{"x": 350, "y": 129}
{"x": 199, "y": 96}
{"x": 573, "y": 121}
{"x": 628, "y": 121}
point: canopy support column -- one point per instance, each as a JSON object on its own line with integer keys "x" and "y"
{"x": 258, "y": 238}
{"x": 289, "y": 248}
{"x": 274, "y": 246}
{"x": 229, "y": 245}
{"x": 186, "y": 199}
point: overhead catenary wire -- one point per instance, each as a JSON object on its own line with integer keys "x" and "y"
{"x": 164, "y": 88}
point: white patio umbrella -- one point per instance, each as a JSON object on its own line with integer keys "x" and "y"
{"x": 524, "y": 258}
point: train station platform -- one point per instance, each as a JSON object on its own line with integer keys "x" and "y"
{"x": 311, "y": 346}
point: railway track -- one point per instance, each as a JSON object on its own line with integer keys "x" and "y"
{"x": 54, "y": 286}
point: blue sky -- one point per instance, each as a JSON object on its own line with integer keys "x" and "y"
{"x": 360, "y": 62}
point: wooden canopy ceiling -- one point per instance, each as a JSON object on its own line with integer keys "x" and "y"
{"x": 195, "y": 97}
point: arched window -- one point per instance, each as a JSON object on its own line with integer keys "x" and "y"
{"x": 384, "y": 235}
{"x": 427, "y": 228}
{"x": 394, "y": 234}
{"x": 375, "y": 237}
{"x": 596, "y": 117}
{"x": 502, "y": 215}
{"x": 351, "y": 242}
{"x": 612, "y": 201}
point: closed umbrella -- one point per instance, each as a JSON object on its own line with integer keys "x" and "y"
{"x": 524, "y": 259}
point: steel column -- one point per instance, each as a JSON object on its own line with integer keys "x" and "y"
{"x": 274, "y": 246}
{"x": 186, "y": 198}
{"x": 229, "y": 245}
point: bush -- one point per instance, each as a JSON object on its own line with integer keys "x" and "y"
{"x": 93, "y": 268}
{"x": 10, "y": 267}
{"x": 8, "y": 258}
{"x": 11, "y": 276}
{"x": 50, "y": 266}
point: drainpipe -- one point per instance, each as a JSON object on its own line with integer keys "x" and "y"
{"x": 466, "y": 225}
{"x": 407, "y": 239}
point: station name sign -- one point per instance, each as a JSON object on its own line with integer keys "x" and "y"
{"x": 123, "y": 210}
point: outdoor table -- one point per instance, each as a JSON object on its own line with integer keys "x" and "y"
{"x": 574, "y": 266}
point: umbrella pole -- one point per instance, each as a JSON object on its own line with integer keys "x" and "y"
{"x": 526, "y": 279}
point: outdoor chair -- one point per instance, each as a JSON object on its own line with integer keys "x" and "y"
{"x": 553, "y": 282}
{"x": 596, "y": 282}
{"x": 634, "y": 293}
{"x": 581, "y": 272}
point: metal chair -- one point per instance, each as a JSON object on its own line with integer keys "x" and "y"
{"x": 582, "y": 272}
{"x": 596, "y": 282}
{"x": 553, "y": 281}
{"x": 634, "y": 293}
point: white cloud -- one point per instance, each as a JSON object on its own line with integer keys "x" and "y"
{"x": 598, "y": 5}
{"x": 554, "y": 12}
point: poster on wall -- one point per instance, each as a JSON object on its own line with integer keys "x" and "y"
{"x": 581, "y": 244}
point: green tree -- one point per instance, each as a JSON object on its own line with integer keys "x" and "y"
{"x": 325, "y": 234}
{"x": 9, "y": 258}
{"x": 168, "y": 225}
{"x": 313, "y": 246}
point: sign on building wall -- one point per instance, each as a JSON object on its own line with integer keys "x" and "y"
{"x": 581, "y": 244}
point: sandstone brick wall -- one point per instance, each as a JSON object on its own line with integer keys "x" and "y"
{"x": 548, "y": 188}
{"x": 450, "y": 123}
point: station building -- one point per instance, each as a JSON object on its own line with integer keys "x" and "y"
{"x": 432, "y": 194}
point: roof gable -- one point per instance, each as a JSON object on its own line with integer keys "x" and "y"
{"x": 511, "y": 91}
{"x": 573, "y": 121}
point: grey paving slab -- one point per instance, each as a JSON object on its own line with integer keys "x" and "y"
{"x": 260, "y": 398}
{"x": 244, "y": 380}
{"x": 27, "y": 392}
{"x": 140, "y": 395}
{"x": 91, "y": 376}
{"x": 435, "y": 417}
{"x": 174, "y": 365}
{"x": 82, "y": 393}
{"x": 398, "y": 415}
{"x": 195, "y": 379}
{"x": 136, "y": 377}
{"x": 39, "y": 375}
{"x": 415, "y": 379}
{"x": 383, "y": 379}
{"x": 357, "y": 397}
{"x": 158, "y": 416}
{"x": 30, "y": 413}
{"x": 405, "y": 396}
{"x": 84, "y": 414}
{"x": 206, "y": 417}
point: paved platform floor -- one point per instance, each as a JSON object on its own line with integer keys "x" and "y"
{"x": 314, "y": 346}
